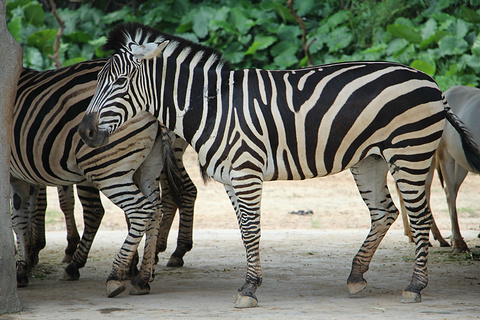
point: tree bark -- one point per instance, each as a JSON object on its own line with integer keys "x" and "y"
{"x": 11, "y": 66}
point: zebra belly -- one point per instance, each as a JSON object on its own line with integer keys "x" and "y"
{"x": 54, "y": 177}
{"x": 297, "y": 164}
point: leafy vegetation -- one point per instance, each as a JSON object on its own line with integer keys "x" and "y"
{"x": 439, "y": 37}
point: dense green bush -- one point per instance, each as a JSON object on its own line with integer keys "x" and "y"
{"x": 439, "y": 37}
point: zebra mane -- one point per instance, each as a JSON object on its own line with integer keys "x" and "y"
{"x": 124, "y": 36}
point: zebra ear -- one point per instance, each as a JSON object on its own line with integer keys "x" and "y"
{"x": 149, "y": 50}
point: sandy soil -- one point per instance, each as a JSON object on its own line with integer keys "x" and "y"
{"x": 305, "y": 258}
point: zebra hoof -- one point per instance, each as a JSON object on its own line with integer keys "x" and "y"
{"x": 460, "y": 247}
{"x": 242, "y": 301}
{"x": 22, "y": 280}
{"x": 138, "y": 289}
{"x": 34, "y": 259}
{"x": 175, "y": 262}
{"x": 444, "y": 244}
{"x": 115, "y": 287}
{"x": 411, "y": 297}
{"x": 71, "y": 273}
{"x": 356, "y": 283}
{"x": 356, "y": 287}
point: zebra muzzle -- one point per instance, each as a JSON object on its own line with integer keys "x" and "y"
{"x": 89, "y": 132}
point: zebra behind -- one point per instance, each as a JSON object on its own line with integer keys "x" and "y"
{"x": 253, "y": 125}
{"x": 47, "y": 151}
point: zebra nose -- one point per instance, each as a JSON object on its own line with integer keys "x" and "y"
{"x": 88, "y": 131}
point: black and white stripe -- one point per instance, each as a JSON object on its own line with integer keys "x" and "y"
{"x": 46, "y": 150}
{"x": 250, "y": 126}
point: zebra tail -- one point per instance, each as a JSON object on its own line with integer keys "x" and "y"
{"x": 205, "y": 177}
{"x": 170, "y": 167}
{"x": 470, "y": 147}
{"x": 440, "y": 174}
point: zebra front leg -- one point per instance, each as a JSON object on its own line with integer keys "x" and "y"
{"x": 116, "y": 283}
{"x": 147, "y": 178}
{"x": 139, "y": 211}
{"x": 140, "y": 284}
{"x": 245, "y": 196}
{"x": 93, "y": 212}
{"x": 371, "y": 179}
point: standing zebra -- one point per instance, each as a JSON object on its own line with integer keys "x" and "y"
{"x": 250, "y": 126}
{"x": 47, "y": 151}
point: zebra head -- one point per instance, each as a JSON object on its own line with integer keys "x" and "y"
{"x": 115, "y": 99}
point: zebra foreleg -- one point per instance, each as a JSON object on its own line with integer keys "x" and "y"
{"x": 371, "y": 179}
{"x": 139, "y": 220}
{"x": 147, "y": 178}
{"x": 245, "y": 196}
{"x": 140, "y": 284}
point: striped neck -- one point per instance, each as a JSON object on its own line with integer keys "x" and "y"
{"x": 188, "y": 89}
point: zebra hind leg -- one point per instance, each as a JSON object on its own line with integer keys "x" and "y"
{"x": 412, "y": 185}
{"x": 67, "y": 204}
{"x": 93, "y": 212}
{"x": 38, "y": 225}
{"x": 245, "y": 196}
{"x": 21, "y": 195}
{"x": 370, "y": 176}
{"x": 186, "y": 210}
{"x": 169, "y": 211}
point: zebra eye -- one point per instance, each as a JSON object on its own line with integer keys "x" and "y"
{"x": 121, "y": 81}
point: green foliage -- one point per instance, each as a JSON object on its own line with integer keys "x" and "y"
{"x": 441, "y": 38}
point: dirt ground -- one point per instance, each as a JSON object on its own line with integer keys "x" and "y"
{"x": 306, "y": 260}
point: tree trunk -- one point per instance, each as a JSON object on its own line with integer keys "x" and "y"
{"x": 11, "y": 66}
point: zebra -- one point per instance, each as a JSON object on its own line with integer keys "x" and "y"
{"x": 47, "y": 151}
{"x": 127, "y": 194}
{"x": 250, "y": 126}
